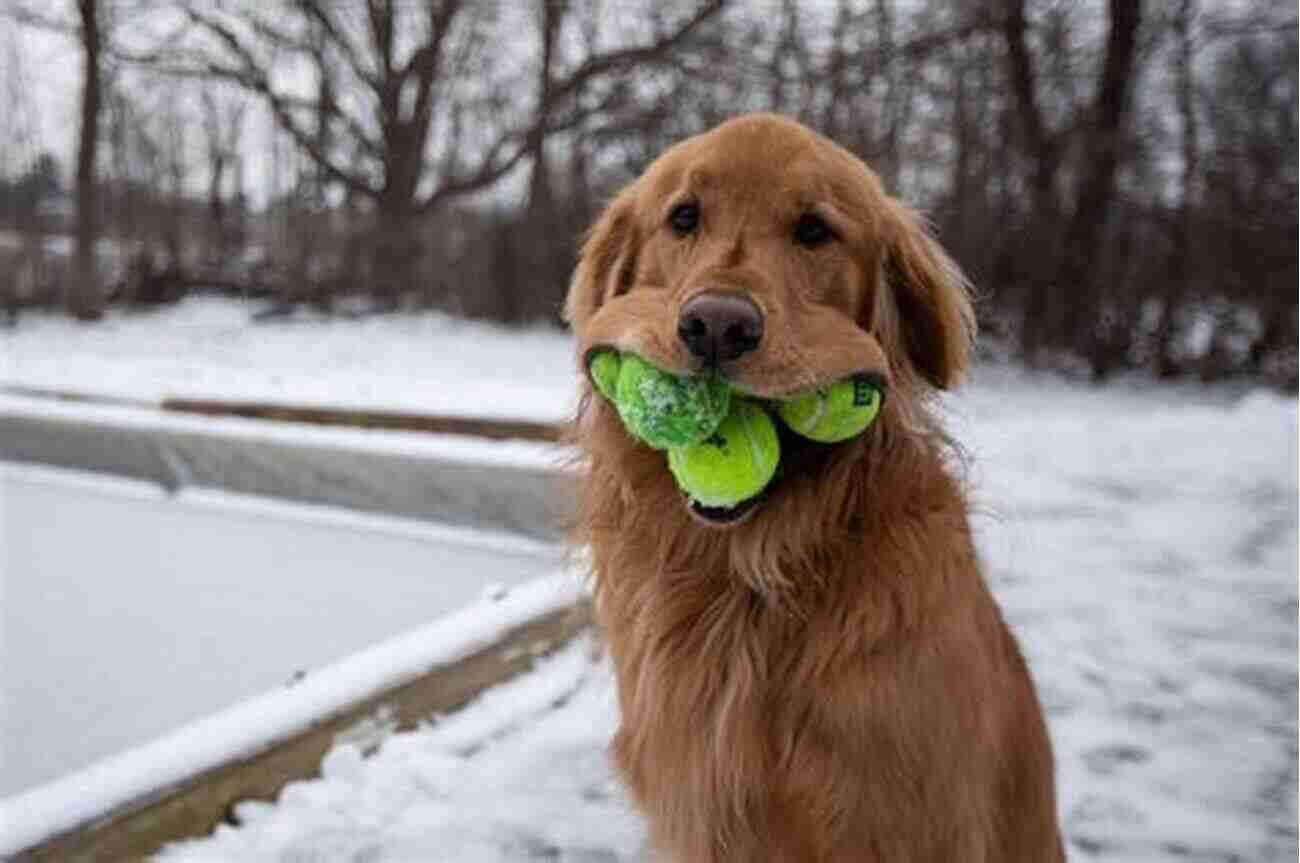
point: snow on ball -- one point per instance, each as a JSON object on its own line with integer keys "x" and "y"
{"x": 667, "y": 410}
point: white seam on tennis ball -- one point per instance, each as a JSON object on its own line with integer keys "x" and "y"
{"x": 817, "y": 416}
{"x": 755, "y": 449}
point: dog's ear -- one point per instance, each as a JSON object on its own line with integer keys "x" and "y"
{"x": 932, "y": 319}
{"x": 607, "y": 262}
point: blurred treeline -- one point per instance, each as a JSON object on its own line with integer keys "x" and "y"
{"x": 1118, "y": 177}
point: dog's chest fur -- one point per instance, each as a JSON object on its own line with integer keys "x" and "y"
{"x": 743, "y": 736}
{"x": 703, "y": 715}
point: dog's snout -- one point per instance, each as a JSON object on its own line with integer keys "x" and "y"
{"x": 720, "y": 327}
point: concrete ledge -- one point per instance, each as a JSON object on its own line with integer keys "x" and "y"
{"x": 427, "y": 476}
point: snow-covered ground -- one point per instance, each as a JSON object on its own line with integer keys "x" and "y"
{"x": 1143, "y": 541}
{"x": 128, "y": 612}
{"x": 278, "y": 714}
{"x": 206, "y": 348}
{"x": 1147, "y": 559}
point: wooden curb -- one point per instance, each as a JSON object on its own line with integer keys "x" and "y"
{"x": 195, "y": 806}
{"x": 485, "y": 427}
{"x": 495, "y": 429}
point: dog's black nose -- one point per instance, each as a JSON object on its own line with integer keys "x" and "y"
{"x": 720, "y": 327}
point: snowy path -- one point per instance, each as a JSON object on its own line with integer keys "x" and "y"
{"x": 1147, "y": 557}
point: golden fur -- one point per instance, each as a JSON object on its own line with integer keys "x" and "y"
{"x": 828, "y": 679}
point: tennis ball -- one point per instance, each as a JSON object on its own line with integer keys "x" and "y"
{"x": 733, "y": 464}
{"x": 665, "y": 410}
{"x": 834, "y": 413}
{"x": 604, "y": 368}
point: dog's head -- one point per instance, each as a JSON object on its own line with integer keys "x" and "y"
{"x": 765, "y": 252}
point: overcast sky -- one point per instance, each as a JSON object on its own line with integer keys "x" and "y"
{"x": 48, "y": 79}
{"x": 42, "y": 72}
{"x": 49, "y": 76}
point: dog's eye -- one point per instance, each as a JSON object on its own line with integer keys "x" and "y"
{"x": 812, "y": 231}
{"x": 684, "y": 218}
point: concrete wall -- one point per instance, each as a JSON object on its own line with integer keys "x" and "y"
{"x": 534, "y": 501}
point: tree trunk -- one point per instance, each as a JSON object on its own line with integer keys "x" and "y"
{"x": 84, "y": 298}
{"x": 895, "y": 107}
{"x": 540, "y": 192}
{"x": 1096, "y": 188}
{"x": 540, "y": 259}
{"x": 959, "y": 192}
{"x": 217, "y": 204}
{"x": 1180, "y": 270}
{"x": 837, "y": 72}
{"x": 395, "y": 249}
{"x": 1044, "y": 306}
{"x": 1043, "y": 148}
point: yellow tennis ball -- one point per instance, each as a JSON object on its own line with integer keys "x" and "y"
{"x": 834, "y": 413}
{"x": 733, "y": 464}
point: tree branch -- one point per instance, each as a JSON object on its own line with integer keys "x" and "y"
{"x": 253, "y": 77}
{"x": 316, "y": 12}
{"x": 489, "y": 171}
{"x": 655, "y": 52}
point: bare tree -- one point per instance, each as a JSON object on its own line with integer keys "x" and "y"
{"x": 85, "y": 297}
{"x": 429, "y": 116}
{"x": 23, "y": 266}
{"x": 1118, "y": 176}
{"x": 1076, "y": 246}
{"x": 92, "y": 24}
{"x": 1183, "y": 248}
{"x": 1044, "y": 146}
{"x": 1095, "y": 187}
{"x": 223, "y": 125}
{"x": 87, "y": 23}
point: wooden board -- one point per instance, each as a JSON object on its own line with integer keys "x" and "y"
{"x": 496, "y": 429}
{"x": 195, "y": 806}
{"x": 486, "y": 427}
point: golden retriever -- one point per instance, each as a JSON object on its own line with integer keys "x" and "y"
{"x": 820, "y": 674}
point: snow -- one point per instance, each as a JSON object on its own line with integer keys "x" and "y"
{"x": 217, "y": 738}
{"x": 1145, "y": 551}
{"x": 1148, "y": 560}
{"x": 513, "y": 777}
{"x": 128, "y": 598}
{"x": 1142, "y": 540}
{"x": 206, "y": 348}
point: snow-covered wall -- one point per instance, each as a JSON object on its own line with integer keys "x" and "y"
{"x": 506, "y": 485}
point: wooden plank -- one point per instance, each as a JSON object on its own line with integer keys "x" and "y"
{"x": 495, "y": 429}
{"x": 195, "y": 806}
{"x": 488, "y": 427}
{"x": 68, "y": 396}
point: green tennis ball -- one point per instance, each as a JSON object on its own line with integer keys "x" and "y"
{"x": 604, "y": 368}
{"x": 665, "y": 410}
{"x": 833, "y": 413}
{"x": 733, "y": 464}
